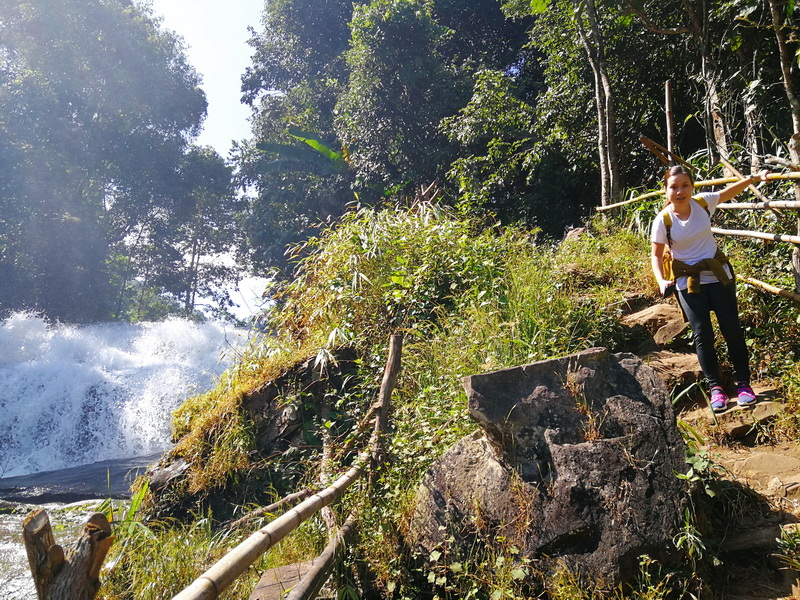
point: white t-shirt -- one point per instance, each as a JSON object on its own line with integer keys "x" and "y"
{"x": 692, "y": 240}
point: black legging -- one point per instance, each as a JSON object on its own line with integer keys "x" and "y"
{"x": 697, "y": 308}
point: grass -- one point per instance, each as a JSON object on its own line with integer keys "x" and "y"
{"x": 468, "y": 299}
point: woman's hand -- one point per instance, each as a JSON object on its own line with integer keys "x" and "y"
{"x": 761, "y": 175}
{"x": 667, "y": 287}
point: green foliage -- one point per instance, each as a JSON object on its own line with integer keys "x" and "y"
{"x": 380, "y": 270}
{"x": 789, "y": 548}
{"x": 398, "y": 90}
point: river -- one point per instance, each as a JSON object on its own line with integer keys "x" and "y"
{"x": 84, "y": 408}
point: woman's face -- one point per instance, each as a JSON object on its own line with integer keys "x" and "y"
{"x": 679, "y": 190}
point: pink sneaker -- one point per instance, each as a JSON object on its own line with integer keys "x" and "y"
{"x": 719, "y": 399}
{"x": 746, "y": 395}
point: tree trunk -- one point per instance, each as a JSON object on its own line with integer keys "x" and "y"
{"x": 73, "y": 575}
{"x": 604, "y": 103}
{"x": 787, "y": 58}
{"x": 612, "y": 159}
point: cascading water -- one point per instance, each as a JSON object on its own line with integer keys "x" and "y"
{"x": 74, "y": 395}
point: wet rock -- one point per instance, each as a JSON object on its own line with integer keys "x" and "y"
{"x": 574, "y": 466}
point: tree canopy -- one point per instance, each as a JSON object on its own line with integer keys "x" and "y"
{"x": 519, "y": 111}
{"x": 98, "y": 104}
{"x": 527, "y": 111}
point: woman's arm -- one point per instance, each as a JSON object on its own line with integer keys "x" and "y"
{"x": 657, "y": 264}
{"x": 736, "y": 188}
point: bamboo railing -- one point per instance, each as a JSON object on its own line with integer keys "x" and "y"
{"x": 225, "y": 571}
{"x": 775, "y": 237}
{"x": 773, "y": 205}
{"x": 704, "y": 183}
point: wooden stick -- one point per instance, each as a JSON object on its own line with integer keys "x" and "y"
{"x": 770, "y": 288}
{"x": 265, "y": 510}
{"x": 388, "y": 383}
{"x": 668, "y": 112}
{"x": 776, "y": 237}
{"x": 666, "y": 156}
{"x": 46, "y": 558}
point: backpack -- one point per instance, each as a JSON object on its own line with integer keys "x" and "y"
{"x": 666, "y": 259}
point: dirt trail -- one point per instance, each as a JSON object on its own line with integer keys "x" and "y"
{"x": 744, "y": 442}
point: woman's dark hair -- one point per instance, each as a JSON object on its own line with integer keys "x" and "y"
{"x": 678, "y": 170}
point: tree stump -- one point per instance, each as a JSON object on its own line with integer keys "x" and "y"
{"x": 70, "y": 575}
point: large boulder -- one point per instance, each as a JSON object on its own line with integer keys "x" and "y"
{"x": 575, "y": 467}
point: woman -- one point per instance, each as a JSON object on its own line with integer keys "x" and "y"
{"x": 703, "y": 278}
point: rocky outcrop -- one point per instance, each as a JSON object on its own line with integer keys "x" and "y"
{"x": 574, "y": 466}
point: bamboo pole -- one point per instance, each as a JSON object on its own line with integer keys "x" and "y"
{"x": 770, "y": 288}
{"x": 225, "y": 571}
{"x": 668, "y": 111}
{"x": 705, "y": 183}
{"x": 776, "y": 237}
{"x": 759, "y": 205}
{"x": 318, "y": 574}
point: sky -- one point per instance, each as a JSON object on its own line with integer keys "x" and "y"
{"x": 215, "y": 34}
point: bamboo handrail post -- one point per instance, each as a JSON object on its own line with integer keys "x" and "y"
{"x": 388, "y": 384}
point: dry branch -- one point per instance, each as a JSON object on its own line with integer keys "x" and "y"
{"x": 265, "y": 510}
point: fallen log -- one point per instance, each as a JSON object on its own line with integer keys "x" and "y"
{"x": 70, "y": 575}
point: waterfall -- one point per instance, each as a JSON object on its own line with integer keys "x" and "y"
{"x": 74, "y": 395}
